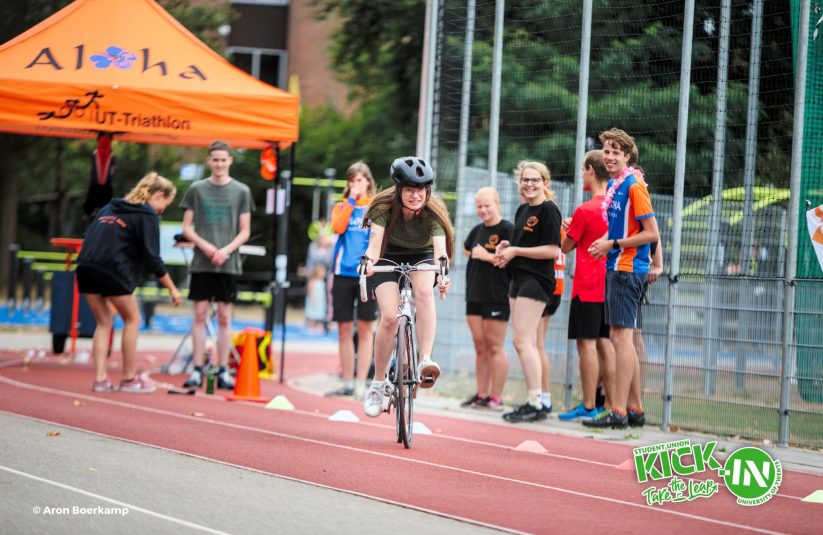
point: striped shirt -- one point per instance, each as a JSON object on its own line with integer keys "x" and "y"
{"x": 631, "y": 204}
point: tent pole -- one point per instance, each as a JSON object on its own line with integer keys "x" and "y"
{"x": 281, "y": 256}
{"x": 271, "y": 311}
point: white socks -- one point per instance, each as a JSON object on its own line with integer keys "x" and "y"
{"x": 535, "y": 398}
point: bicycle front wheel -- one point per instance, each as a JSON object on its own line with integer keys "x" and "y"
{"x": 404, "y": 382}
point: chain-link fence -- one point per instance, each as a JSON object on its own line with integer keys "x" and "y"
{"x": 717, "y": 322}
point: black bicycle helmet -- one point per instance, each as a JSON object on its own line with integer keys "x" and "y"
{"x": 412, "y": 171}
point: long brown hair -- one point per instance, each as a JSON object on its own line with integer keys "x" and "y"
{"x": 388, "y": 202}
{"x": 148, "y": 186}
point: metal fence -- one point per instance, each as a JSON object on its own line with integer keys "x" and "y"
{"x": 726, "y": 342}
{"x": 724, "y": 100}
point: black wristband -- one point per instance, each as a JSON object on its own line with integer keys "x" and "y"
{"x": 615, "y": 245}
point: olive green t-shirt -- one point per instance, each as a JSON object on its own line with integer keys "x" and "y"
{"x": 217, "y": 211}
{"x": 411, "y": 236}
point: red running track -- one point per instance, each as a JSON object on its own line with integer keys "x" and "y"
{"x": 464, "y": 469}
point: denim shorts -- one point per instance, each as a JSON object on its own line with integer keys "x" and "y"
{"x": 623, "y": 293}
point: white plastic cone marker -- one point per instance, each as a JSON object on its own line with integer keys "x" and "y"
{"x": 628, "y": 464}
{"x": 420, "y": 428}
{"x": 814, "y": 497}
{"x": 344, "y": 416}
{"x": 280, "y": 403}
{"x": 531, "y": 446}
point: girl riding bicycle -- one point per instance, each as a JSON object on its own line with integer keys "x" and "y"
{"x": 408, "y": 225}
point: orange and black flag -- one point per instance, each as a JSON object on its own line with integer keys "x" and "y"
{"x": 102, "y": 175}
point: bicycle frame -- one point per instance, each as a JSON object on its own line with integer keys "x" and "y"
{"x": 401, "y": 387}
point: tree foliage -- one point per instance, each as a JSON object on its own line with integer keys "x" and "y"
{"x": 377, "y": 51}
{"x": 44, "y": 165}
{"x": 634, "y": 84}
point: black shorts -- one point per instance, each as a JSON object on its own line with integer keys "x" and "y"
{"x": 379, "y": 278}
{"x": 91, "y": 280}
{"x": 345, "y": 295}
{"x": 587, "y": 321}
{"x": 488, "y": 311}
{"x": 221, "y": 287}
{"x": 526, "y": 285}
{"x": 644, "y": 299}
{"x": 552, "y": 305}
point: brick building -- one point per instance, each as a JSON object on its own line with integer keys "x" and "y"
{"x": 282, "y": 43}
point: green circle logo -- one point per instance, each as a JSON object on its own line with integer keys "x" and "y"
{"x": 752, "y": 475}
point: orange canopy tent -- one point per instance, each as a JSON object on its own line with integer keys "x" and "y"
{"x": 128, "y": 68}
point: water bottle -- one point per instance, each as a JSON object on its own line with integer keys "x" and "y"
{"x": 210, "y": 380}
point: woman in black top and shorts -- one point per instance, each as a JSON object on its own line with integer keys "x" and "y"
{"x": 530, "y": 258}
{"x": 124, "y": 236}
{"x": 487, "y": 301}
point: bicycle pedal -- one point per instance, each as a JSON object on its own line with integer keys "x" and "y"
{"x": 427, "y": 381}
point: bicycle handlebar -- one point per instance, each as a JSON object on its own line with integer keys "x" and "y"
{"x": 443, "y": 269}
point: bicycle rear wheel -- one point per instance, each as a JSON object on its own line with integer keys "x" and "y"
{"x": 404, "y": 383}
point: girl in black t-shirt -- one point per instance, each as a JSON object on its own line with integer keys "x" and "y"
{"x": 487, "y": 303}
{"x": 529, "y": 256}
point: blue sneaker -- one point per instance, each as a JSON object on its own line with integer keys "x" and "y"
{"x": 578, "y": 412}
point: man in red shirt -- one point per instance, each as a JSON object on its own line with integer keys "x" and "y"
{"x": 586, "y": 315}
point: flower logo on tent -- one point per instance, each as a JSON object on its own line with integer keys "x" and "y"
{"x": 115, "y": 55}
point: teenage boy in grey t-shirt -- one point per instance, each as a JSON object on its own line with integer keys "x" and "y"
{"x": 217, "y": 220}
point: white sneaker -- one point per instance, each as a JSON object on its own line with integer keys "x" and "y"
{"x": 373, "y": 405}
{"x": 428, "y": 371}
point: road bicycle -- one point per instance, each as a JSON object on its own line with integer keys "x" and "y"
{"x": 403, "y": 380}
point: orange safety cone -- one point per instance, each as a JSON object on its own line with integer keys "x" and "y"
{"x": 247, "y": 385}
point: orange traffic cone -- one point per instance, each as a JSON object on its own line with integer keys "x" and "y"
{"x": 247, "y": 386}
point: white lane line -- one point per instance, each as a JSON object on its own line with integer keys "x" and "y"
{"x": 384, "y": 455}
{"x": 131, "y": 507}
{"x": 361, "y": 422}
{"x": 374, "y": 424}
{"x": 273, "y": 474}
